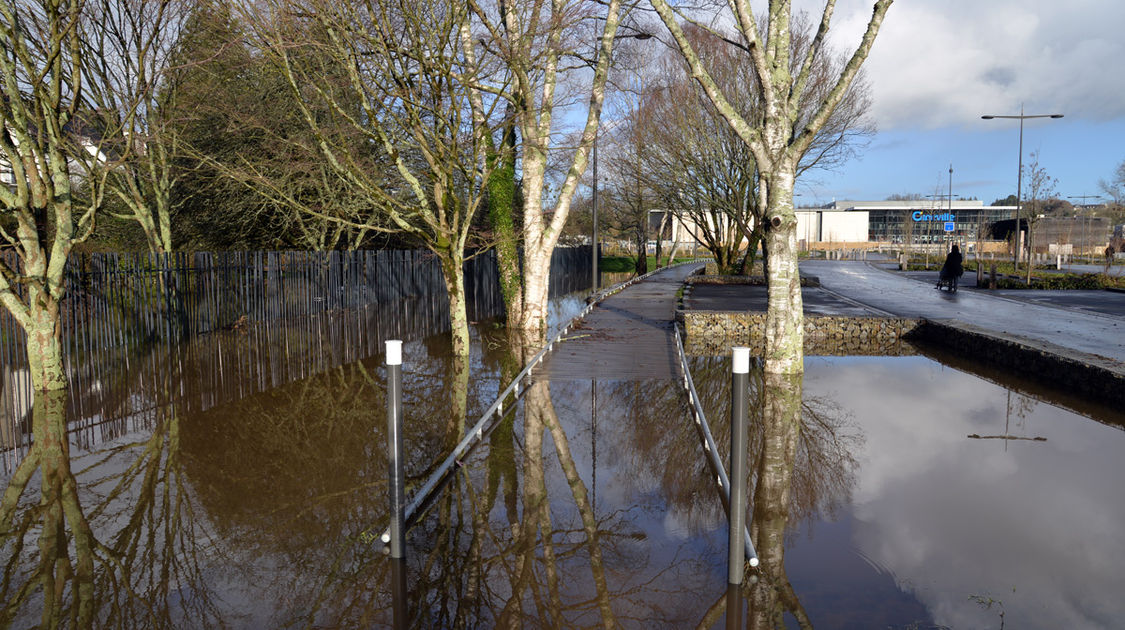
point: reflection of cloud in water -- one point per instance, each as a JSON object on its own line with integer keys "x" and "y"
{"x": 1034, "y": 525}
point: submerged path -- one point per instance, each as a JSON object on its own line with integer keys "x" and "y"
{"x": 628, "y": 336}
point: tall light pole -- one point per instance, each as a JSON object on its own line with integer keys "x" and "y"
{"x": 950, "y": 210}
{"x": 1019, "y": 174}
{"x": 594, "y": 237}
{"x": 594, "y": 228}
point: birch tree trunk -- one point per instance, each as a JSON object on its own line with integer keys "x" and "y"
{"x": 778, "y": 139}
{"x": 535, "y": 40}
{"x": 785, "y": 311}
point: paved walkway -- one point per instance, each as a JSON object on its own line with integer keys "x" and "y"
{"x": 627, "y": 337}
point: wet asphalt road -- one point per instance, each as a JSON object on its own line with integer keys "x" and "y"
{"x": 1086, "y": 321}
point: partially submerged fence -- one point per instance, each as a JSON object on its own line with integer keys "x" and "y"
{"x": 298, "y": 313}
{"x": 120, "y": 299}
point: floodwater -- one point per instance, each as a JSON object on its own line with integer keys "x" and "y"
{"x": 915, "y": 495}
{"x": 924, "y": 496}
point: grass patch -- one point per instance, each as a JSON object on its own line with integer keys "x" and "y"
{"x": 628, "y": 264}
{"x": 617, "y": 264}
{"x": 1008, "y": 277}
{"x": 1064, "y": 281}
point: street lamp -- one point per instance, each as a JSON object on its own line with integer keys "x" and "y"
{"x": 936, "y": 205}
{"x": 1019, "y": 177}
{"x": 594, "y": 238}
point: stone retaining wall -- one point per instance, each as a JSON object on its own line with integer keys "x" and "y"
{"x": 1089, "y": 376}
{"x": 714, "y": 332}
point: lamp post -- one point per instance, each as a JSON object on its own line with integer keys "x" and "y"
{"x": 937, "y": 206}
{"x": 1019, "y": 174}
{"x": 594, "y": 237}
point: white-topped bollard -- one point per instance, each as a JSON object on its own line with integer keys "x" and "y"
{"x": 740, "y": 382}
{"x": 395, "y": 534}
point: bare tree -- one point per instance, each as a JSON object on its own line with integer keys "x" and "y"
{"x": 700, "y": 169}
{"x": 390, "y": 84}
{"x": 131, "y": 45}
{"x": 1115, "y": 187}
{"x": 540, "y": 46}
{"x": 705, "y": 167}
{"x": 57, "y": 168}
{"x": 1040, "y": 186}
{"x": 778, "y": 139}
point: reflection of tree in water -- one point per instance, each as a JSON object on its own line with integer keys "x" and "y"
{"x": 515, "y": 540}
{"x": 134, "y": 543}
{"x": 824, "y": 460}
{"x": 781, "y": 420}
{"x": 802, "y": 465}
{"x": 59, "y": 577}
{"x": 136, "y": 534}
{"x": 273, "y": 496}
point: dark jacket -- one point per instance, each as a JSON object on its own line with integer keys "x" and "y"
{"x": 952, "y": 267}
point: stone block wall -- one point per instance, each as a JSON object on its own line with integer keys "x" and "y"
{"x": 714, "y": 332}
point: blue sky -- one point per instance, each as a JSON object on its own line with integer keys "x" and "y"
{"x": 984, "y": 156}
{"x": 938, "y": 65}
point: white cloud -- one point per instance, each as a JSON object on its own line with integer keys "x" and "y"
{"x": 1033, "y": 523}
{"x": 942, "y": 62}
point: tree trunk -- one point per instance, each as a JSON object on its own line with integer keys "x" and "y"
{"x": 642, "y": 256}
{"x": 501, "y": 210}
{"x": 538, "y": 243}
{"x": 785, "y": 309}
{"x": 672, "y": 252}
{"x": 44, "y": 345}
{"x": 536, "y": 285}
{"x": 164, "y": 220}
{"x": 453, "y": 272}
{"x": 664, "y": 220}
{"x": 458, "y": 383}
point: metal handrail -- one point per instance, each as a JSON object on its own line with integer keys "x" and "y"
{"x": 496, "y": 410}
{"x": 709, "y": 446}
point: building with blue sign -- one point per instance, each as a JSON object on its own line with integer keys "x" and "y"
{"x": 920, "y": 221}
